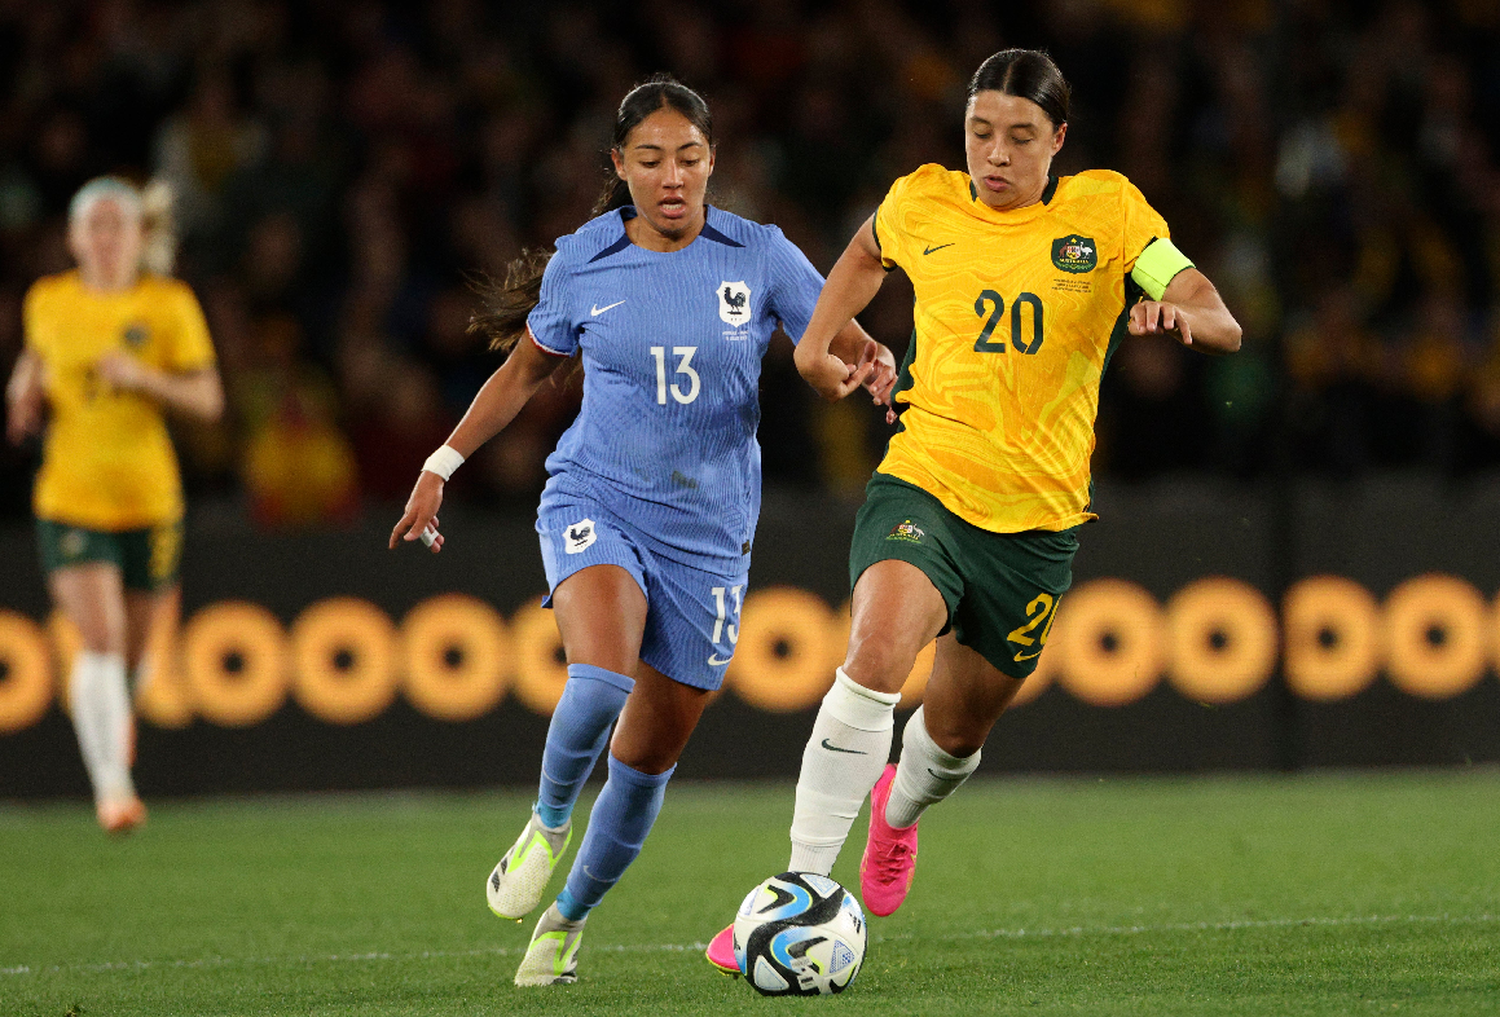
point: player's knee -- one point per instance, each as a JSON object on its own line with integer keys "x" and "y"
{"x": 880, "y": 660}
{"x": 650, "y": 749}
{"x": 98, "y": 635}
{"x": 960, "y": 738}
{"x": 650, "y": 760}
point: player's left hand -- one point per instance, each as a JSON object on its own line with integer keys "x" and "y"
{"x": 1157, "y": 317}
{"x": 123, "y": 373}
{"x": 882, "y": 378}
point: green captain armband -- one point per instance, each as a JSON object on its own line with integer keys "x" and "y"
{"x": 1158, "y": 264}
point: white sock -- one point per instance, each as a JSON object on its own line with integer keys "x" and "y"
{"x": 849, "y": 748}
{"x": 925, "y": 775}
{"x": 101, "y": 718}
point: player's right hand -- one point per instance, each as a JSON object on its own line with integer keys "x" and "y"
{"x": 420, "y": 516}
{"x": 23, "y": 420}
{"x": 25, "y": 399}
{"x": 829, "y": 376}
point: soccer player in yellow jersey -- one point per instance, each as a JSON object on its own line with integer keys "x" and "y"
{"x": 1024, "y": 284}
{"x": 109, "y": 346}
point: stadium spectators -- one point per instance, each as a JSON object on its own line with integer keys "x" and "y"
{"x": 341, "y": 167}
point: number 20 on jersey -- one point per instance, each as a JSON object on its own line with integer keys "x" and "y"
{"x": 991, "y": 307}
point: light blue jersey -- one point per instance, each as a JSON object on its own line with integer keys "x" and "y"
{"x": 672, "y": 346}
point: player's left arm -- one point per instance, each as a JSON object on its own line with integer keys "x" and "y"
{"x": 198, "y": 393}
{"x": 1191, "y": 311}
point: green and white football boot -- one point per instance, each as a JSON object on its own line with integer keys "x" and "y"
{"x": 516, "y": 885}
{"x": 552, "y": 957}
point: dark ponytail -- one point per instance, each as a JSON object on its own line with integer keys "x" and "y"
{"x": 506, "y": 307}
{"x": 1029, "y": 74}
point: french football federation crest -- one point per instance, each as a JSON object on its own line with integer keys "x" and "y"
{"x": 579, "y": 536}
{"x": 734, "y": 303}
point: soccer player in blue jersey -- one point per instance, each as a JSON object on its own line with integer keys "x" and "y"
{"x": 649, "y": 513}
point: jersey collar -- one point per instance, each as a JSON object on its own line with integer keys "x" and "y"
{"x": 1047, "y": 192}
{"x": 628, "y": 212}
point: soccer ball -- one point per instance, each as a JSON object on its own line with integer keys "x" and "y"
{"x": 799, "y": 934}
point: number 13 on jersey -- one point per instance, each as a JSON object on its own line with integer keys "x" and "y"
{"x": 684, "y": 367}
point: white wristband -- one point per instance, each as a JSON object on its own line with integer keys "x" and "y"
{"x": 443, "y": 462}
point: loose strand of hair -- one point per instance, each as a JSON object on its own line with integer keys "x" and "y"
{"x": 504, "y": 307}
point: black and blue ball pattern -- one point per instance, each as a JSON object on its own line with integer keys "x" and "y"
{"x": 800, "y": 934}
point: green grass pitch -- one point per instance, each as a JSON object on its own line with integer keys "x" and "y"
{"x": 1350, "y": 893}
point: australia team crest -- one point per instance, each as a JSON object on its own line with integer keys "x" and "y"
{"x": 907, "y": 532}
{"x": 1074, "y": 253}
{"x": 734, "y": 303}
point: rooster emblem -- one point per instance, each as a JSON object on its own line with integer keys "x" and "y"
{"x": 734, "y": 303}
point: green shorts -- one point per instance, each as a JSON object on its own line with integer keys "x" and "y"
{"x": 147, "y": 558}
{"x": 1001, "y": 589}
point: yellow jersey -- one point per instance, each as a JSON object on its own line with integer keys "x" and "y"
{"x": 108, "y": 462}
{"x": 1016, "y": 315}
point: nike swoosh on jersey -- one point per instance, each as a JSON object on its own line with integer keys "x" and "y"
{"x": 1027, "y": 656}
{"x": 939, "y": 247}
{"x": 596, "y": 310}
{"x": 714, "y": 661}
{"x": 834, "y": 748}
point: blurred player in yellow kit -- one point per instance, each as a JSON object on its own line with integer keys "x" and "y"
{"x": 109, "y": 347}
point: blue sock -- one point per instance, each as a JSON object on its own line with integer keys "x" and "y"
{"x": 623, "y": 815}
{"x": 591, "y": 700}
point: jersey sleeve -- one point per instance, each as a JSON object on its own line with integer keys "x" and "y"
{"x": 795, "y": 285}
{"x": 890, "y": 234}
{"x": 1141, "y": 224}
{"x": 192, "y": 349}
{"x": 551, "y": 320}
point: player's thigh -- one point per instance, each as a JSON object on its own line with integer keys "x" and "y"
{"x": 657, "y": 721}
{"x": 597, "y": 586}
{"x": 144, "y": 610}
{"x": 896, "y": 611}
{"x": 92, "y": 597}
{"x": 905, "y": 579}
{"x": 150, "y": 561}
{"x": 601, "y": 613}
{"x": 965, "y": 695}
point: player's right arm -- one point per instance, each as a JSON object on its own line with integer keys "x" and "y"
{"x": 852, "y": 284}
{"x": 24, "y": 398}
{"x": 496, "y": 405}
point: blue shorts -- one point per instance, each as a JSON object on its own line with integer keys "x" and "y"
{"x": 692, "y": 614}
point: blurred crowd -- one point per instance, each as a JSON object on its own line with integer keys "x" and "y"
{"x": 346, "y": 171}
